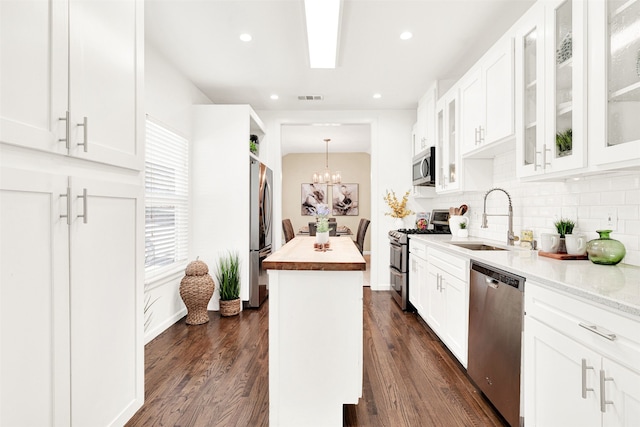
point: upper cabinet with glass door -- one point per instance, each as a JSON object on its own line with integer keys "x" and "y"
{"x": 447, "y": 147}
{"x": 614, "y": 83}
{"x": 530, "y": 93}
{"x": 565, "y": 141}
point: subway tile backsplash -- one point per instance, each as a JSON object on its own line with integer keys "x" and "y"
{"x": 537, "y": 205}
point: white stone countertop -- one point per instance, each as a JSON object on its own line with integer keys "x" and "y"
{"x": 617, "y": 286}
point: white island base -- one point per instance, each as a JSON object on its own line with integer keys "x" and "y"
{"x": 315, "y": 344}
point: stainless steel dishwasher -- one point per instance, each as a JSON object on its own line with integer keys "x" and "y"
{"x": 495, "y": 337}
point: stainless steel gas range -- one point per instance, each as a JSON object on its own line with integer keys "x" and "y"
{"x": 399, "y": 255}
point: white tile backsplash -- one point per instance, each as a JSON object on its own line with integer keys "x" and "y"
{"x": 537, "y": 205}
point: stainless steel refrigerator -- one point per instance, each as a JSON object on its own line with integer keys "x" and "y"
{"x": 261, "y": 221}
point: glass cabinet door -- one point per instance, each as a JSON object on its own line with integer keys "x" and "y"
{"x": 623, "y": 74}
{"x": 614, "y": 82}
{"x": 440, "y": 148}
{"x": 452, "y": 153}
{"x": 564, "y": 146}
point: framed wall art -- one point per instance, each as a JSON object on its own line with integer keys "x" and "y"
{"x": 311, "y": 196}
{"x": 345, "y": 199}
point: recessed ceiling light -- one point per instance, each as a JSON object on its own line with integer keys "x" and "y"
{"x": 377, "y": 96}
{"x": 246, "y": 37}
{"x": 406, "y": 35}
{"x": 274, "y": 96}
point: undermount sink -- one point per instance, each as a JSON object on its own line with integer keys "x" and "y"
{"x": 478, "y": 247}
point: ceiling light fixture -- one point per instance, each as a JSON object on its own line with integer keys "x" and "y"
{"x": 377, "y": 96}
{"x": 274, "y": 97}
{"x": 246, "y": 37}
{"x": 327, "y": 176}
{"x": 323, "y": 26}
{"x": 406, "y": 35}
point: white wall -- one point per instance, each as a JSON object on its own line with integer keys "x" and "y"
{"x": 391, "y": 153}
{"x": 169, "y": 96}
{"x": 537, "y": 205}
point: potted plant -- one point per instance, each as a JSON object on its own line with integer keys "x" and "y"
{"x": 228, "y": 276}
{"x": 322, "y": 223}
{"x": 564, "y": 226}
{"x": 254, "y": 144}
{"x": 463, "y": 232}
{"x": 398, "y": 207}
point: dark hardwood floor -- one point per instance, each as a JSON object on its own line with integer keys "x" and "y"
{"x": 217, "y": 374}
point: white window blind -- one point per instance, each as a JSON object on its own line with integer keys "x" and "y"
{"x": 166, "y": 205}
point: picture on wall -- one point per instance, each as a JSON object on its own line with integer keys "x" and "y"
{"x": 345, "y": 199}
{"x": 311, "y": 196}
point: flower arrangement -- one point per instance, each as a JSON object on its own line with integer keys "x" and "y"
{"x": 322, "y": 214}
{"x": 398, "y": 208}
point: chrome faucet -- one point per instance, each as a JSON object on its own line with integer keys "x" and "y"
{"x": 510, "y": 236}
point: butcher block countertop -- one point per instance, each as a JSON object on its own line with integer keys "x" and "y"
{"x": 299, "y": 254}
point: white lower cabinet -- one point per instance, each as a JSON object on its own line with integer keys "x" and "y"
{"x": 447, "y": 300}
{"x": 581, "y": 363}
{"x": 71, "y": 300}
{"x": 418, "y": 276}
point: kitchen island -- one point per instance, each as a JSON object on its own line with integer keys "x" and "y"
{"x": 315, "y": 331}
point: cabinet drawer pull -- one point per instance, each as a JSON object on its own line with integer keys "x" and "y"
{"x": 66, "y": 127}
{"x": 84, "y": 198}
{"x": 585, "y": 389}
{"x": 603, "y": 398}
{"x": 602, "y": 332}
{"x": 85, "y": 134}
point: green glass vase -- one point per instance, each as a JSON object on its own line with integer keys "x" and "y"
{"x": 605, "y": 250}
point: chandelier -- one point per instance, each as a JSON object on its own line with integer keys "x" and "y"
{"x": 327, "y": 176}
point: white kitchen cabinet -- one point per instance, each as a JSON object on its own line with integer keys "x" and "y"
{"x": 73, "y": 84}
{"x": 425, "y": 135}
{"x": 418, "y": 292}
{"x": 581, "y": 362}
{"x": 565, "y": 80}
{"x": 614, "y": 83}
{"x": 487, "y": 100}
{"x": 447, "y": 144}
{"x": 72, "y": 337}
{"x": 447, "y": 306}
{"x": 530, "y": 92}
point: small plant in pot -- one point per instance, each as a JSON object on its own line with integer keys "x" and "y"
{"x": 463, "y": 232}
{"x": 228, "y": 276}
{"x": 564, "y": 226}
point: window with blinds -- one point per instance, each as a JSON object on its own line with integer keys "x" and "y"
{"x": 166, "y": 205}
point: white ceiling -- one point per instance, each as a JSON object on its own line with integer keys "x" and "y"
{"x": 201, "y": 37}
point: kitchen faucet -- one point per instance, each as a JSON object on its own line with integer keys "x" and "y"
{"x": 510, "y": 236}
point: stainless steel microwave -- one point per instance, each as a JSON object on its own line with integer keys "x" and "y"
{"x": 424, "y": 168}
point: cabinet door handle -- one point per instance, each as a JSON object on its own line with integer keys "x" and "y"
{"x": 85, "y": 134}
{"x": 535, "y": 161}
{"x": 603, "y": 398}
{"x": 584, "y": 378}
{"x": 544, "y": 156}
{"x": 481, "y": 135}
{"x": 599, "y": 331}
{"x": 84, "y": 206}
{"x": 477, "y": 136}
{"x": 66, "y": 129}
{"x": 68, "y": 214}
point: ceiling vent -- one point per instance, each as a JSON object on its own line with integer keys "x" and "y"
{"x": 310, "y": 98}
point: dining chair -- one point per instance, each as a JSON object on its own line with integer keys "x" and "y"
{"x": 288, "y": 230}
{"x": 362, "y": 232}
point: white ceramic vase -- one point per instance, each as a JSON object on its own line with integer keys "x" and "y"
{"x": 322, "y": 237}
{"x": 398, "y": 223}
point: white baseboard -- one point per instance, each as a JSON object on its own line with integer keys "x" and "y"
{"x": 150, "y": 335}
